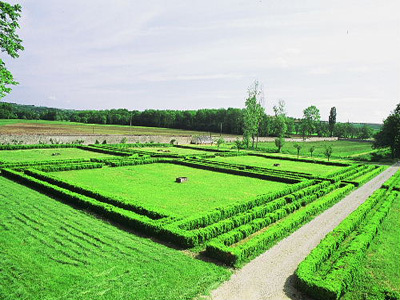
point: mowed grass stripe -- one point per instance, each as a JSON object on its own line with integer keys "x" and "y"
{"x": 49, "y": 264}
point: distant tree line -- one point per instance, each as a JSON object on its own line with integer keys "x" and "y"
{"x": 227, "y": 121}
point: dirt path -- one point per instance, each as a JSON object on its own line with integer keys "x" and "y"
{"x": 270, "y": 276}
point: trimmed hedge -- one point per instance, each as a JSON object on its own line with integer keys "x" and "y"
{"x": 37, "y": 146}
{"x": 393, "y": 182}
{"x": 94, "y": 148}
{"x": 223, "y": 248}
{"x": 69, "y": 167}
{"x": 134, "y": 162}
{"x": 308, "y": 160}
{"x": 344, "y": 271}
{"x": 43, "y": 162}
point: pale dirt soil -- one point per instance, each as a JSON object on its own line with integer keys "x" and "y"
{"x": 270, "y": 275}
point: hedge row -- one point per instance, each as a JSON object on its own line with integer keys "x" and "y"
{"x": 393, "y": 182}
{"x": 344, "y": 271}
{"x": 69, "y": 167}
{"x": 224, "y": 212}
{"x": 342, "y": 171}
{"x": 134, "y": 162}
{"x": 107, "y": 160}
{"x": 223, "y": 248}
{"x": 43, "y": 162}
{"x": 350, "y": 173}
{"x": 307, "y": 160}
{"x": 138, "y": 145}
{"x": 202, "y": 149}
{"x": 128, "y": 218}
{"x": 249, "y": 173}
{"x": 116, "y": 201}
{"x": 368, "y": 176}
{"x": 231, "y": 153}
{"x": 105, "y": 151}
{"x": 186, "y": 234}
{"x": 255, "y": 168}
{"x": 37, "y": 146}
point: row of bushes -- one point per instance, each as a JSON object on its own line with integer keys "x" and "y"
{"x": 134, "y": 162}
{"x": 368, "y": 176}
{"x": 350, "y": 173}
{"x": 203, "y": 149}
{"x": 42, "y": 162}
{"x": 343, "y": 170}
{"x": 393, "y": 182}
{"x": 69, "y": 167}
{"x": 344, "y": 271}
{"x": 122, "y": 216}
{"x": 191, "y": 232}
{"x": 223, "y": 248}
{"x": 224, "y": 212}
{"x": 116, "y": 201}
{"x": 139, "y": 145}
{"x": 307, "y": 160}
{"x": 95, "y": 148}
{"x": 37, "y": 146}
{"x": 249, "y": 173}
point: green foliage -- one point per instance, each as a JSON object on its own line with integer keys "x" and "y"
{"x": 328, "y": 151}
{"x": 298, "y": 148}
{"x": 9, "y": 42}
{"x": 220, "y": 142}
{"x": 389, "y": 136}
{"x": 333, "y": 266}
{"x": 279, "y": 142}
{"x": 280, "y": 120}
{"x": 57, "y": 250}
{"x": 332, "y": 120}
{"x": 311, "y": 119}
{"x": 311, "y": 149}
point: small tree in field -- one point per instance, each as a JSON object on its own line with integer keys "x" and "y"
{"x": 220, "y": 142}
{"x": 298, "y": 148}
{"x": 238, "y": 144}
{"x": 279, "y": 142}
{"x": 328, "y": 152}
{"x": 312, "y": 149}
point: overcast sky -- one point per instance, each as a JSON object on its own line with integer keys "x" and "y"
{"x": 96, "y": 54}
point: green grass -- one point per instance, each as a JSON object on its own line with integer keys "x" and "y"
{"x": 154, "y": 185}
{"x": 46, "y": 154}
{"x": 381, "y": 268}
{"x": 52, "y": 251}
{"x": 341, "y": 149}
{"x": 286, "y": 165}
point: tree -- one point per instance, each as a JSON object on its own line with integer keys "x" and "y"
{"x": 238, "y": 144}
{"x": 389, "y": 136}
{"x": 332, "y": 120}
{"x": 280, "y": 120}
{"x": 279, "y": 142}
{"x": 220, "y": 142}
{"x": 9, "y": 42}
{"x": 365, "y": 132}
{"x": 298, "y": 148}
{"x": 311, "y": 149}
{"x": 328, "y": 152}
{"x": 253, "y": 113}
{"x": 311, "y": 118}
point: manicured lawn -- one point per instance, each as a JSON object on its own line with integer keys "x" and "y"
{"x": 381, "y": 268}
{"x": 286, "y": 165}
{"x": 154, "y": 184}
{"x": 46, "y": 154}
{"x": 341, "y": 149}
{"x": 52, "y": 251}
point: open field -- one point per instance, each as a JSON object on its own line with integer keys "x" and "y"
{"x": 65, "y": 128}
{"x": 154, "y": 185}
{"x": 46, "y": 154}
{"x": 52, "y": 251}
{"x": 285, "y": 165}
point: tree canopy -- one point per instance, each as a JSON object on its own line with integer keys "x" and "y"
{"x": 389, "y": 136}
{"x": 9, "y": 42}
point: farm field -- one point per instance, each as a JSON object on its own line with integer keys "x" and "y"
{"x": 46, "y": 154}
{"x": 50, "y": 250}
{"x": 285, "y": 165}
{"x": 15, "y": 126}
{"x": 154, "y": 185}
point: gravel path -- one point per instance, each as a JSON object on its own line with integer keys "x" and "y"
{"x": 270, "y": 275}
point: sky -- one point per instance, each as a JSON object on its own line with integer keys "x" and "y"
{"x": 138, "y": 55}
